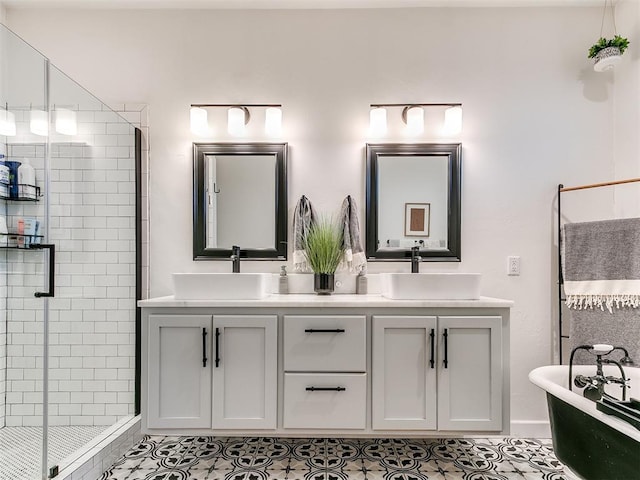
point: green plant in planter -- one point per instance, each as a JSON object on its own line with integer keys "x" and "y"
{"x": 323, "y": 246}
{"x": 617, "y": 41}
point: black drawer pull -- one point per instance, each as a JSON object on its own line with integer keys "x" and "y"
{"x": 446, "y": 348}
{"x": 432, "y": 335}
{"x": 325, "y": 389}
{"x": 324, "y": 330}
{"x": 204, "y": 347}
{"x": 217, "y": 347}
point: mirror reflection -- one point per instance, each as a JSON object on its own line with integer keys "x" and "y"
{"x": 413, "y": 207}
{"x": 240, "y": 199}
{"x": 241, "y": 195}
{"x": 413, "y": 200}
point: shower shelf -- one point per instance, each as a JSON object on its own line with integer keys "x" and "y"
{"x": 17, "y": 236}
{"x": 23, "y": 199}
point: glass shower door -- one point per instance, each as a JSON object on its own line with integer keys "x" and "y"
{"x": 92, "y": 221}
{"x": 22, "y": 315}
{"x": 67, "y": 362}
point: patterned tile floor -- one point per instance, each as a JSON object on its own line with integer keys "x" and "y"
{"x": 214, "y": 458}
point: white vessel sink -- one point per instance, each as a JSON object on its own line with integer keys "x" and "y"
{"x": 221, "y": 286}
{"x": 431, "y": 286}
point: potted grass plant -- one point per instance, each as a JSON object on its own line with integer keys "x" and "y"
{"x": 324, "y": 251}
{"x": 607, "y": 52}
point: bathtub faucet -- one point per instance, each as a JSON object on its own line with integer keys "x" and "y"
{"x": 594, "y": 385}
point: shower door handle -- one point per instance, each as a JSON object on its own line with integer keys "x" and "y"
{"x": 52, "y": 265}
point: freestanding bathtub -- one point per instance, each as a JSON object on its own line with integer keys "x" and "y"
{"x": 594, "y": 446}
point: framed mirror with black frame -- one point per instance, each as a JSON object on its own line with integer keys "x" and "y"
{"x": 240, "y": 198}
{"x": 413, "y": 200}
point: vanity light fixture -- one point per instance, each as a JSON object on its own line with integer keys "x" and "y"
{"x": 238, "y": 116}
{"x": 273, "y": 121}
{"x": 378, "y": 122}
{"x": 199, "y": 122}
{"x": 413, "y": 116}
{"x": 7, "y": 122}
{"x": 66, "y": 123}
{"x": 452, "y": 121}
{"x": 39, "y": 122}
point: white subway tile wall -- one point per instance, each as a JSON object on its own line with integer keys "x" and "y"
{"x": 92, "y": 317}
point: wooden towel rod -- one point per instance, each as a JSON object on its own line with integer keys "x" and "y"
{"x": 596, "y": 185}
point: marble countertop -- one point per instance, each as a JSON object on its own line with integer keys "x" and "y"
{"x": 335, "y": 300}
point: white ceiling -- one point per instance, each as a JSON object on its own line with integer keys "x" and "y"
{"x": 290, "y": 4}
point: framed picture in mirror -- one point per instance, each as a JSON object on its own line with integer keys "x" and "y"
{"x": 416, "y": 219}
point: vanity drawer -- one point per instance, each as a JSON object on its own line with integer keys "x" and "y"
{"x": 324, "y": 343}
{"x": 325, "y": 400}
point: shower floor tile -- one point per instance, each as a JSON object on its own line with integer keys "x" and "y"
{"x": 224, "y": 458}
{"x": 21, "y": 448}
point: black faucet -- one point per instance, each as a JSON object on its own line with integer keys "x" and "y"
{"x": 415, "y": 259}
{"x": 595, "y": 384}
{"x": 235, "y": 258}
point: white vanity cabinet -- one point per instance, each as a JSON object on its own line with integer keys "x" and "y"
{"x": 443, "y": 373}
{"x": 350, "y": 365}
{"x": 245, "y": 383}
{"x": 179, "y": 371}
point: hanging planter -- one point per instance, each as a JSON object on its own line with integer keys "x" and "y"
{"x": 607, "y": 53}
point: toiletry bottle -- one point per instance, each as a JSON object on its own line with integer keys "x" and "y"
{"x": 361, "y": 282}
{"x": 26, "y": 180}
{"x": 283, "y": 281}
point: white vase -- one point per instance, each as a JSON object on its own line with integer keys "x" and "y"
{"x": 606, "y": 58}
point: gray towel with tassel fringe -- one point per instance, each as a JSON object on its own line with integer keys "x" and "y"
{"x": 601, "y": 272}
{"x": 304, "y": 217}
{"x": 354, "y": 258}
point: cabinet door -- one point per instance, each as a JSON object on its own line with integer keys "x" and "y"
{"x": 245, "y": 371}
{"x": 179, "y": 380}
{"x": 404, "y": 377}
{"x": 470, "y": 373}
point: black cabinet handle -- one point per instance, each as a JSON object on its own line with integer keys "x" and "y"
{"x": 52, "y": 265}
{"x": 217, "y": 347}
{"x": 204, "y": 347}
{"x": 432, "y": 360}
{"x": 325, "y": 389}
{"x": 446, "y": 348}
{"x": 324, "y": 330}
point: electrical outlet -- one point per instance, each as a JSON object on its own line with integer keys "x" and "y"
{"x": 513, "y": 265}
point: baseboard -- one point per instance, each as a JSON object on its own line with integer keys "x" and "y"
{"x": 530, "y": 429}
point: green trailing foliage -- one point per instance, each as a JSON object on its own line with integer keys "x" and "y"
{"x": 602, "y": 43}
{"x": 323, "y": 246}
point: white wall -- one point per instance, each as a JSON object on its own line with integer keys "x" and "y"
{"x": 627, "y": 110}
{"x": 535, "y": 114}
